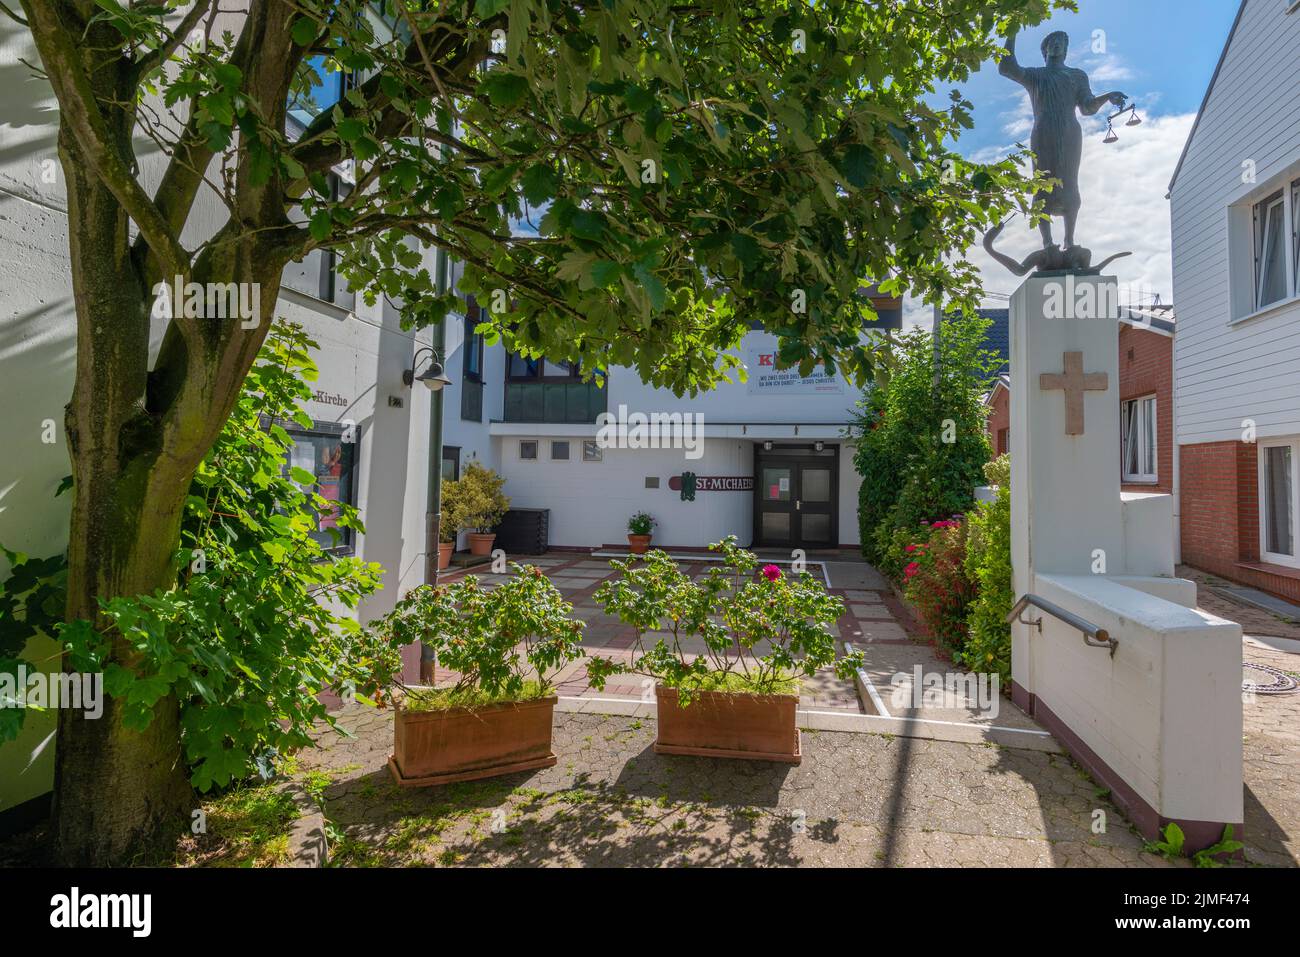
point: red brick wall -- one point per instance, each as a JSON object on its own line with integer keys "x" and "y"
{"x": 1220, "y": 517}
{"x": 1146, "y": 367}
{"x": 999, "y": 422}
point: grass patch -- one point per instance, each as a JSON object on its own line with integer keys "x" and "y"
{"x": 246, "y": 827}
{"x": 448, "y": 699}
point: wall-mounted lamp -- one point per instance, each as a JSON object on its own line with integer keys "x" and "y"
{"x": 767, "y": 446}
{"x": 819, "y": 446}
{"x": 432, "y": 377}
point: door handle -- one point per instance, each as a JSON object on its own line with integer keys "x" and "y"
{"x": 798, "y": 505}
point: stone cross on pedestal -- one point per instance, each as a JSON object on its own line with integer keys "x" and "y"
{"x": 1075, "y": 382}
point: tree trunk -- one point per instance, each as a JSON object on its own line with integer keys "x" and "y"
{"x": 119, "y": 794}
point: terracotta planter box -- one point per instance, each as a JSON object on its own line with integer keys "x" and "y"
{"x": 444, "y": 554}
{"x": 480, "y": 543}
{"x": 463, "y": 744}
{"x": 718, "y": 725}
{"x": 638, "y": 544}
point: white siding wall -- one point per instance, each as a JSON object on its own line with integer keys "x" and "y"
{"x": 1229, "y": 372}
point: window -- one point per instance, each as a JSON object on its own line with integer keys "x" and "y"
{"x": 521, "y": 368}
{"x": 1279, "y": 502}
{"x": 326, "y": 88}
{"x": 1270, "y": 251}
{"x": 317, "y": 274}
{"x": 451, "y": 462}
{"x": 327, "y": 451}
{"x": 591, "y": 451}
{"x": 1004, "y": 441}
{"x": 473, "y": 344}
{"x": 560, "y": 451}
{"x": 1138, "y": 418}
{"x": 1295, "y": 235}
{"x": 471, "y": 387}
{"x": 528, "y": 448}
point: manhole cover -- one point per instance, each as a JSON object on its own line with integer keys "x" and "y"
{"x": 1269, "y": 681}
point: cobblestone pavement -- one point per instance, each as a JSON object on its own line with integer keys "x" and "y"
{"x": 857, "y": 800}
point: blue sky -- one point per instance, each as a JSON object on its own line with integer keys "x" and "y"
{"x": 1162, "y": 53}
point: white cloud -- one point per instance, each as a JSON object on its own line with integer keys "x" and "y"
{"x": 1124, "y": 209}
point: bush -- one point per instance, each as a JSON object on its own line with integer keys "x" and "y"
{"x": 479, "y": 632}
{"x": 988, "y": 565}
{"x": 247, "y": 639}
{"x": 921, "y": 448}
{"x": 642, "y": 523}
{"x": 735, "y": 612}
{"x": 474, "y": 502}
{"x": 937, "y": 584}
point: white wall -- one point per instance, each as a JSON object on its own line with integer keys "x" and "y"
{"x": 1226, "y": 373}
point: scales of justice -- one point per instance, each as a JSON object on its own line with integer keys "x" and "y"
{"x": 1056, "y": 91}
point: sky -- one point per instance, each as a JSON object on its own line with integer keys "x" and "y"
{"x": 1162, "y": 53}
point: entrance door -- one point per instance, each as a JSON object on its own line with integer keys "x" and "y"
{"x": 795, "y": 497}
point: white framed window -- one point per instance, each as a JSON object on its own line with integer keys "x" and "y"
{"x": 559, "y": 450}
{"x": 1279, "y": 501}
{"x": 1269, "y": 220}
{"x": 528, "y": 449}
{"x": 591, "y": 450}
{"x": 1138, "y": 440}
{"x": 1295, "y": 235}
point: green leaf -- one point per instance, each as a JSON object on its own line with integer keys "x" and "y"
{"x": 304, "y": 31}
{"x": 506, "y": 90}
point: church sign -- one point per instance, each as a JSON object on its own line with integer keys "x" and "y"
{"x": 688, "y": 483}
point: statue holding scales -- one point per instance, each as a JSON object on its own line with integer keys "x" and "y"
{"x": 1055, "y": 92}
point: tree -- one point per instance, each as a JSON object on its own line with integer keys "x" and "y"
{"x": 694, "y": 167}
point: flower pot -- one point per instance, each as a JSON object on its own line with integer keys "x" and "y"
{"x": 638, "y": 544}
{"x": 721, "y": 725}
{"x": 480, "y": 543}
{"x": 444, "y": 554}
{"x": 465, "y": 744}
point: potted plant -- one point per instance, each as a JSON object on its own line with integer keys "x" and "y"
{"x": 505, "y": 644}
{"x": 640, "y": 529}
{"x": 477, "y": 505}
{"x": 763, "y": 632}
{"x": 446, "y": 537}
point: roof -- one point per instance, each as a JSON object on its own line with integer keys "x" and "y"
{"x": 1208, "y": 90}
{"x": 1157, "y": 318}
{"x": 997, "y": 338}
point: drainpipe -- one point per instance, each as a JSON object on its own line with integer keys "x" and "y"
{"x": 433, "y": 501}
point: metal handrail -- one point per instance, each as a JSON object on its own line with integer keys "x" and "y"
{"x": 1093, "y": 636}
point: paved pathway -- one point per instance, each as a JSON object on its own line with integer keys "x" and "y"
{"x": 858, "y": 800}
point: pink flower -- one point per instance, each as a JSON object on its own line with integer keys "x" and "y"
{"x": 910, "y": 548}
{"x": 911, "y": 570}
{"x": 771, "y": 572}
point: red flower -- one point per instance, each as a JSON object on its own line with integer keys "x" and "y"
{"x": 771, "y": 572}
{"x": 911, "y": 570}
{"x": 910, "y": 548}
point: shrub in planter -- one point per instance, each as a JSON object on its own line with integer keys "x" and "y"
{"x": 988, "y": 566}
{"x": 937, "y": 585}
{"x": 506, "y": 644}
{"x": 475, "y": 504}
{"x": 640, "y": 529}
{"x": 762, "y": 632}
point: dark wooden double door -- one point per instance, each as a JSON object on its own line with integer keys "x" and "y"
{"x": 796, "y": 490}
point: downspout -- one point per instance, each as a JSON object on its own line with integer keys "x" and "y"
{"x": 433, "y": 499}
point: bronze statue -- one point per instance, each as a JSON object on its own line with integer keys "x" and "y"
{"x": 1055, "y": 92}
